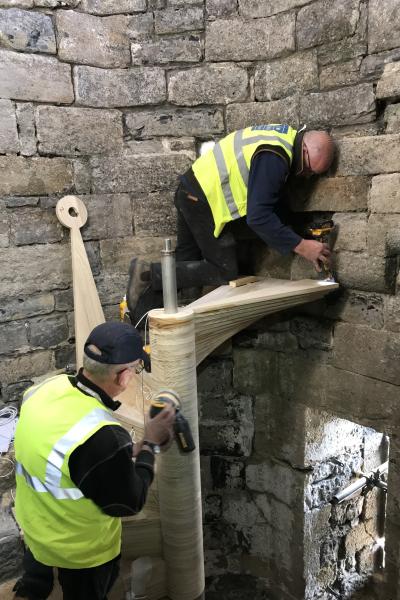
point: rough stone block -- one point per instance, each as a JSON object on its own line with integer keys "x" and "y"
{"x": 4, "y": 227}
{"x": 352, "y": 307}
{"x": 392, "y": 118}
{"x": 364, "y": 272}
{"x": 312, "y": 333}
{"x": 91, "y": 40}
{"x": 175, "y": 20}
{"x": 21, "y": 176}
{"x": 349, "y": 339}
{"x": 281, "y": 481}
{"x": 253, "y": 113}
{"x": 33, "y": 225}
{"x": 385, "y": 194}
{"x": 31, "y": 269}
{"x": 339, "y": 194}
{"x": 392, "y": 313}
{"x": 111, "y": 287}
{"x": 119, "y": 87}
{"x": 342, "y": 51}
{"x": 26, "y": 128}
{"x": 26, "y": 366}
{"x": 19, "y": 3}
{"x": 384, "y": 235}
{"x": 135, "y": 173}
{"x": 340, "y": 74}
{"x": 388, "y": 87}
{"x": 112, "y": 7}
{"x": 254, "y": 373}
{"x": 72, "y": 131}
{"x": 38, "y": 78}
{"x": 63, "y": 300}
{"x": 354, "y": 104}
{"x": 141, "y": 26}
{"x": 261, "y": 39}
{"x": 23, "y": 307}
{"x": 373, "y": 65}
{"x": 48, "y": 331}
{"x": 325, "y": 21}
{"x": 8, "y": 128}
{"x": 154, "y": 214}
{"x": 384, "y": 25}
{"x": 116, "y": 254}
{"x": 12, "y": 549}
{"x": 183, "y": 3}
{"x": 56, "y": 3}
{"x": 369, "y": 155}
{"x": 230, "y": 438}
{"x": 256, "y": 9}
{"x": 211, "y": 84}
{"x": 182, "y": 49}
{"x": 286, "y": 76}
{"x": 27, "y": 31}
{"x": 13, "y": 336}
{"x": 109, "y": 216}
{"x": 220, "y": 8}
{"x": 178, "y": 122}
{"x": 352, "y": 232}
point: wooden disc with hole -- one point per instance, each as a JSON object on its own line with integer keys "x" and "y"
{"x": 71, "y": 212}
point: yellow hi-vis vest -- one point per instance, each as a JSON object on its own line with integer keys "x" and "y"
{"x": 62, "y": 528}
{"x": 223, "y": 171}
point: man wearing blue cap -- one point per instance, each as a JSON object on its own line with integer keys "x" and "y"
{"x": 75, "y": 472}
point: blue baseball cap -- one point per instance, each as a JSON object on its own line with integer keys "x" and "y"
{"x": 118, "y": 343}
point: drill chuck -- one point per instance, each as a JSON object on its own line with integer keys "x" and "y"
{"x": 182, "y": 431}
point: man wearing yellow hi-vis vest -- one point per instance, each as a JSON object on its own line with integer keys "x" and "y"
{"x": 242, "y": 175}
{"x": 75, "y": 472}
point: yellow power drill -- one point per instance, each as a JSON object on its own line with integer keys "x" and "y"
{"x": 326, "y": 233}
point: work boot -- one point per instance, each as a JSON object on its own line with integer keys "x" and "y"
{"x": 138, "y": 282}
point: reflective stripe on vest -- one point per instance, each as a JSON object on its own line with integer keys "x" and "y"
{"x": 223, "y": 172}
{"x": 239, "y": 143}
{"x": 57, "y": 455}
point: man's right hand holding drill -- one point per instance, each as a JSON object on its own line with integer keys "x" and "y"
{"x": 315, "y": 252}
{"x": 158, "y": 430}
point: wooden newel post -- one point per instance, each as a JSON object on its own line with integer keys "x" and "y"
{"x": 173, "y": 356}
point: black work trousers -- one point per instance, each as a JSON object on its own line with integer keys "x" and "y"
{"x": 77, "y": 584}
{"x": 201, "y": 258}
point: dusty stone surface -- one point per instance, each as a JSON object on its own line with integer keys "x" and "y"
{"x": 384, "y": 234}
{"x": 215, "y": 84}
{"x": 174, "y": 20}
{"x": 389, "y": 84}
{"x": 8, "y": 128}
{"x": 348, "y": 340}
{"x": 110, "y": 88}
{"x": 340, "y": 194}
{"x": 116, "y": 254}
{"x": 183, "y": 49}
{"x": 220, "y": 8}
{"x": 70, "y": 131}
{"x": 19, "y": 3}
{"x": 21, "y": 176}
{"x": 27, "y": 31}
{"x": 364, "y": 272}
{"x": 369, "y": 155}
{"x": 384, "y": 26}
{"x": 338, "y": 74}
{"x": 326, "y": 21}
{"x": 176, "y": 122}
{"x": 385, "y": 194}
{"x": 286, "y": 76}
{"x": 26, "y": 128}
{"x": 352, "y": 232}
{"x": 33, "y": 225}
{"x": 11, "y": 547}
{"x": 37, "y": 78}
{"x": 21, "y": 308}
{"x": 255, "y": 9}
{"x": 91, "y": 40}
{"x": 112, "y": 7}
{"x": 261, "y": 39}
{"x": 349, "y": 105}
{"x": 392, "y": 118}
{"x": 14, "y": 336}
{"x": 141, "y": 26}
{"x": 110, "y": 216}
{"x": 136, "y": 173}
{"x": 249, "y": 113}
{"x": 373, "y": 65}
{"x": 342, "y": 51}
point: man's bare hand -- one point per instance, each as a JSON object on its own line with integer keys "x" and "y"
{"x": 315, "y": 252}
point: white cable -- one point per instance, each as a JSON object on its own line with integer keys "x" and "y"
{"x": 7, "y": 414}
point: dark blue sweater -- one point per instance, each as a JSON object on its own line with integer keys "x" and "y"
{"x": 268, "y": 173}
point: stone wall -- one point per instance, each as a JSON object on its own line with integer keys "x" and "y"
{"x": 110, "y": 100}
